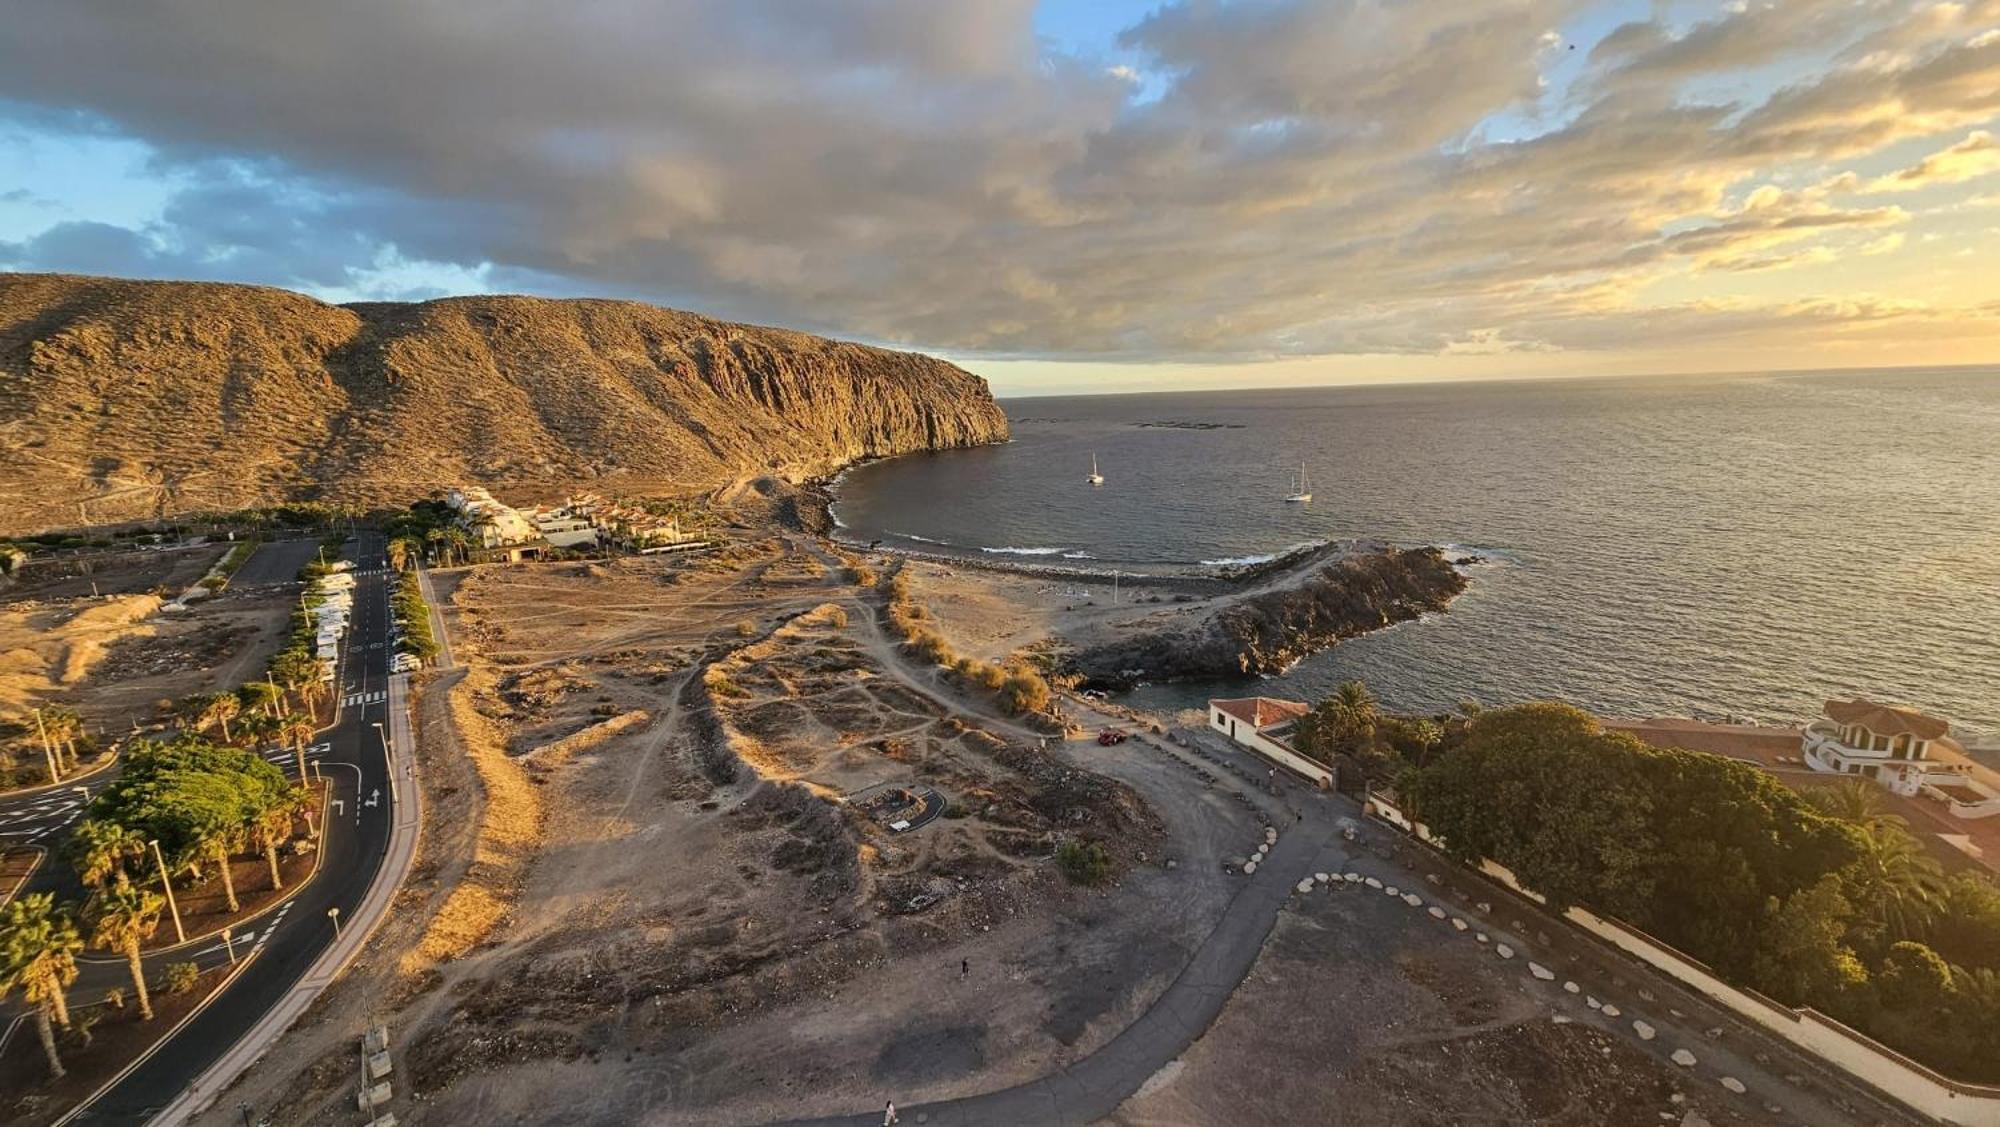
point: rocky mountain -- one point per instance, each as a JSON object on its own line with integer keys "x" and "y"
{"x": 123, "y": 400}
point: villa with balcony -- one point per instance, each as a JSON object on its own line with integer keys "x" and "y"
{"x": 1905, "y": 751}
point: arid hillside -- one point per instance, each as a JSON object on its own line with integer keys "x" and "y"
{"x": 126, "y": 400}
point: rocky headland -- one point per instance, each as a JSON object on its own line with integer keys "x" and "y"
{"x": 1280, "y": 619}
{"x": 126, "y": 400}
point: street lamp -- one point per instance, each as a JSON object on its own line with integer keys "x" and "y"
{"x": 179, "y": 934}
{"x": 229, "y": 946}
{"x": 388, "y": 761}
{"x": 334, "y": 915}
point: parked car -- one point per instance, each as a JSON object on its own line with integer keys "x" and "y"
{"x": 1111, "y": 736}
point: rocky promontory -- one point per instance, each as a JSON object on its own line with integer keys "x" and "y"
{"x": 1270, "y": 626}
{"x": 125, "y": 400}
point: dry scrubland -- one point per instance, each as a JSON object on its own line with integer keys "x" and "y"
{"x": 657, "y": 884}
{"x": 112, "y": 655}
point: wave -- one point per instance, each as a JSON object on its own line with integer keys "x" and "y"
{"x": 922, "y": 539}
{"x": 1078, "y": 556}
{"x": 1024, "y": 551}
{"x": 1267, "y": 557}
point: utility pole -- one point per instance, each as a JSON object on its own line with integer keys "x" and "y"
{"x": 388, "y": 761}
{"x": 179, "y": 934}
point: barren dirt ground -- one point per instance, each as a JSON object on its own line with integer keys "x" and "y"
{"x": 659, "y": 881}
{"x": 115, "y": 655}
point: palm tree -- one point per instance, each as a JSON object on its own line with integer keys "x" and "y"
{"x": 399, "y": 553}
{"x": 460, "y": 542}
{"x": 298, "y": 730}
{"x": 219, "y": 842}
{"x": 1854, "y": 801}
{"x": 120, "y": 919}
{"x": 38, "y": 946}
{"x": 258, "y": 727}
{"x": 312, "y": 691}
{"x": 222, "y": 708}
{"x": 99, "y": 850}
{"x": 293, "y": 668}
{"x": 64, "y": 726}
{"x": 436, "y": 539}
{"x": 260, "y": 697}
{"x": 272, "y": 828}
{"x": 1896, "y": 884}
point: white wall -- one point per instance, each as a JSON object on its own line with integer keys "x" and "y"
{"x": 1935, "y": 1095}
{"x": 1270, "y": 749}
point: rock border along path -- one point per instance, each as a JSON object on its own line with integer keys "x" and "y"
{"x": 1095, "y": 1086}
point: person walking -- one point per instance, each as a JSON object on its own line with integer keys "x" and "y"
{"x": 965, "y": 968}
{"x": 889, "y": 1116}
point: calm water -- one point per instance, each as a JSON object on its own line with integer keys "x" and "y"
{"x": 1689, "y": 546}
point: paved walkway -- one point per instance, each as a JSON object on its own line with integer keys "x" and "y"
{"x": 1093, "y": 1087}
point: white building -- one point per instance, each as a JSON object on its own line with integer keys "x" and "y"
{"x": 495, "y": 524}
{"x": 1264, "y": 725}
{"x": 1903, "y": 750}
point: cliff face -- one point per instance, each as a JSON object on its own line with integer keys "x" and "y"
{"x": 127, "y": 400}
{"x": 1266, "y": 631}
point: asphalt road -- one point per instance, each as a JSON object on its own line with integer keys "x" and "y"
{"x": 288, "y": 940}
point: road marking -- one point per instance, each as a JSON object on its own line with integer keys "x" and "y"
{"x": 376, "y": 697}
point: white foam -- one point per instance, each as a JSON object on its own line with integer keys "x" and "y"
{"x": 921, "y": 539}
{"x": 1024, "y": 551}
{"x": 1078, "y": 556}
{"x": 1242, "y": 561}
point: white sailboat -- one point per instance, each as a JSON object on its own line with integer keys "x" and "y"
{"x": 1095, "y": 478}
{"x": 1302, "y": 491}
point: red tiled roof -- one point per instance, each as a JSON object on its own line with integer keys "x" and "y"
{"x": 1261, "y": 712}
{"x": 1886, "y": 719}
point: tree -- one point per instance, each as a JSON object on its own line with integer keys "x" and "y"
{"x": 313, "y": 690}
{"x": 99, "y": 850}
{"x": 1803, "y": 955}
{"x": 1342, "y": 724}
{"x": 1692, "y": 848}
{"x": 1914, "y": 979}
{"x": 298, "y": 730}
{"x": 399, "y": 552}
{"x": 1966, "y": 926}
{"x": 38, "y": 946}
{"x": 64, "y": 725}
{"x": 219, "y": 839}
{"x": 260, "y": 697}
{"x": 1854, "y": 801}
{"x": 1894, "y": 884}
{"x": 120, "y": 918}
{"x": 272, "y": 828}
{"x": 49, "y": 752}
{"x": 220, "y": 709}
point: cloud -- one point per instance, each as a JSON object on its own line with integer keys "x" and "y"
{"x": 1285, "y": 178}
{"x": 1973, "y": 157}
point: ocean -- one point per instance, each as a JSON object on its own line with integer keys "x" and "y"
{"x": 1709, "y": 546}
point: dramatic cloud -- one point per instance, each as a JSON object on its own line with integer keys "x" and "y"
{"x": 1244, "y": 179}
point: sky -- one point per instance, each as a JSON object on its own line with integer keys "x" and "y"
{"x": 1070, "y": 195}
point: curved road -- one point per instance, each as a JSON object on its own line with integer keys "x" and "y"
{"x": 293, "y": 937}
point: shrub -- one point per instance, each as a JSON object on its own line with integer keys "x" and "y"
{"x": 179, "y": 978}
{"x": 1023, "y": 690}
{"x": 863, "y": 576}
{"x": 837, "y": 618}
{"x": 1084, "y": 862}
{"x": 930, "y": 646}
{"x": 746, "y": 628}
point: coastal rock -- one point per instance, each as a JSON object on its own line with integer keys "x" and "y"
{"x": 150, "y": 399}
{"x": 1281, "y": 620}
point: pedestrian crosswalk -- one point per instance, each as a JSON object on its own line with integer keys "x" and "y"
{"x": 376, "y": 697}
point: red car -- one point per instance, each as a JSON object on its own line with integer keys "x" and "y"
{"x": 1111, "y": 736}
